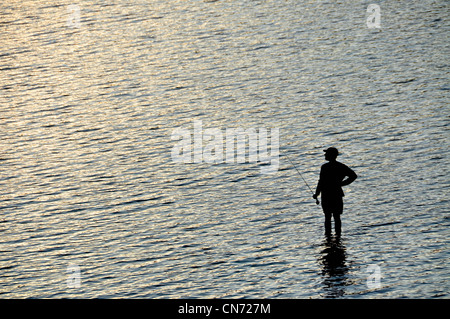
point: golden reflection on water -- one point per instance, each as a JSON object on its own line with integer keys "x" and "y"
{"x": 87, "y": 108}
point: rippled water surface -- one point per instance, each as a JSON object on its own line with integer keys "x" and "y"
{"x": 88, "y": 185}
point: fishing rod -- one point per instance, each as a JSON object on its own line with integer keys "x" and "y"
{"x": 317, "y": 201}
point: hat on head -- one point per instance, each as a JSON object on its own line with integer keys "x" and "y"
{"x": 331, "y": 151}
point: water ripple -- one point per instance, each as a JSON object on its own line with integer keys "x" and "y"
{"x": 87, "y": 179}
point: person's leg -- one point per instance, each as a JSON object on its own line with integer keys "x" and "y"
{"x": 337, "y": 223}
{"x": 328, "y": 213}
{"x": 327, "y": 223}
{"x": 339, "y": 207}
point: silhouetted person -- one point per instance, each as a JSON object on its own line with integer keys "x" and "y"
{"x": 333, "y": 175}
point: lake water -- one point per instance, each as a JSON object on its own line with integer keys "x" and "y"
{"x": 92, "y": 203}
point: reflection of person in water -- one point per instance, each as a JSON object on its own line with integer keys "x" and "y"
{"x": 334, "y": 269}
{"x": 332, "y": 178}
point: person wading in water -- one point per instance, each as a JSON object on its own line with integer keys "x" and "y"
{"x": 333, "y": 175}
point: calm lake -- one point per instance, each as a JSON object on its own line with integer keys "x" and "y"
{"x": 94, "y": 205}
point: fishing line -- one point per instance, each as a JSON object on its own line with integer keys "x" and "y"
{"x": 317, "y": 201}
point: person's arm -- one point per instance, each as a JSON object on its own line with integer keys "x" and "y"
{"x": 319, "y": 186}
{"x": 351, "y": 176}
